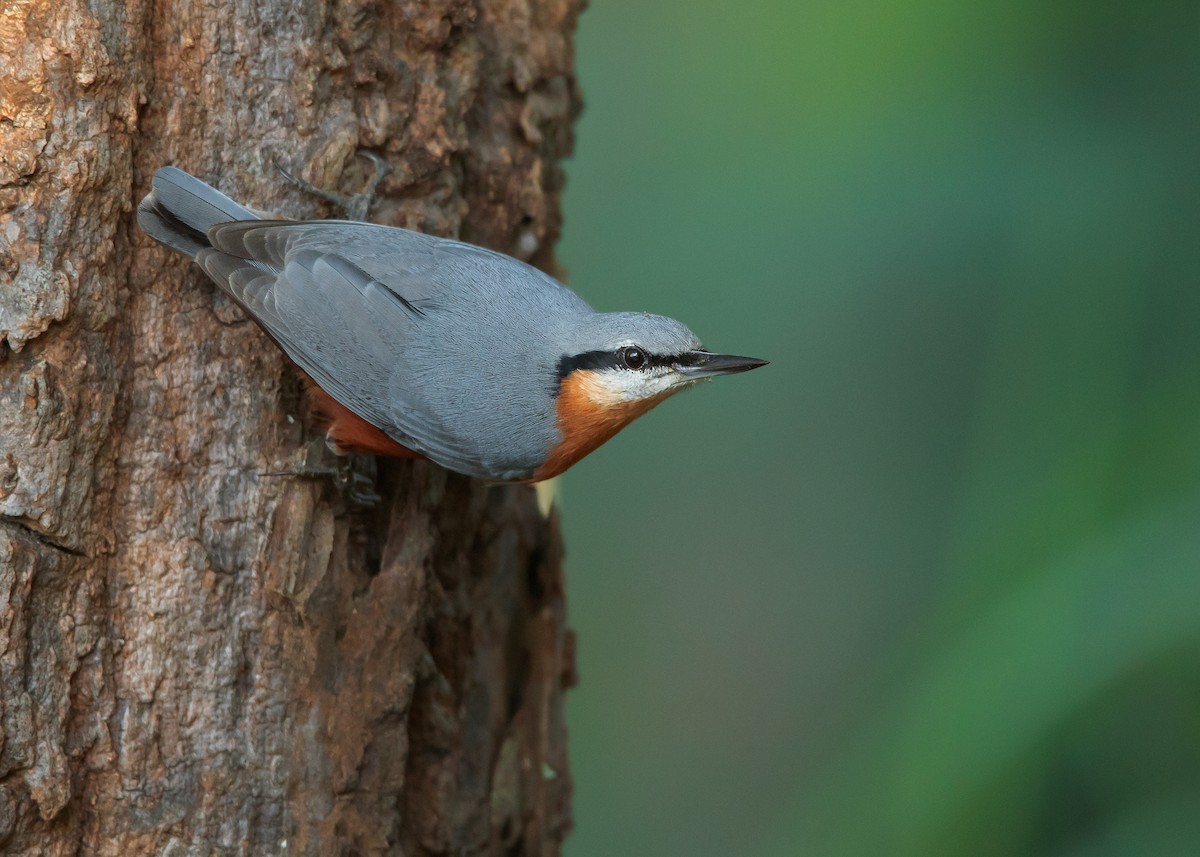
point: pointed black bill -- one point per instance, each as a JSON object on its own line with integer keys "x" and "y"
{"x": 700, "y": 364}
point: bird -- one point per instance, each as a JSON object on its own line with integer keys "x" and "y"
{"x": 414, "y": 345}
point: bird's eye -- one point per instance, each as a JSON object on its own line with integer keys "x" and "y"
{"x": 633, "y": 357}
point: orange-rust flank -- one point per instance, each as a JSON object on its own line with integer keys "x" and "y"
{"x": 588, "y": 415}
{"x": 348, "y": 430}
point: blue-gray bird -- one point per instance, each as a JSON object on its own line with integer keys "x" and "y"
{"x": 423, "y": 346}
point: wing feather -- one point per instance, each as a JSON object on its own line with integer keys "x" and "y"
{"x": 345, "y": 329}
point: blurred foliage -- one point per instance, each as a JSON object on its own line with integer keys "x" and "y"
{"x": 929, "y": 584}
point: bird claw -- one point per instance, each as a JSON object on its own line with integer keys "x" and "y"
{"x": 358, "y": 487}
{"x": 356, "y": 206}
{"x": 352, "y": 475}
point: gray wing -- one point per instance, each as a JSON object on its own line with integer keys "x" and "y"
{"x": 346, "y": 300}
{"x": 419, "y": 267}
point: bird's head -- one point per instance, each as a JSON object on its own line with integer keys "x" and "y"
{"x": 619, "y": 366}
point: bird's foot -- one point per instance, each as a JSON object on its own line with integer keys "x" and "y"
{"x": 356, "y": 206}
{"x": 351, "y": 474}
{"x": 355, "y": 477}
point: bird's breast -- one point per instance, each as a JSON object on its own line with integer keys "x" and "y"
{"x": 588, "y": 414}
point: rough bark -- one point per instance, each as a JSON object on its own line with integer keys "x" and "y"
{"x": 198, "y": 656}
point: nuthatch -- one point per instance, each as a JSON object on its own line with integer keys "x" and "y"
{"x": 426, "y": 347}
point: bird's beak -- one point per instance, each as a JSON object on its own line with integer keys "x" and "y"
{"x": 700, "y": 364}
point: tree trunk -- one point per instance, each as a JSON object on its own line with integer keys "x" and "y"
{"x": 198, "y": 655}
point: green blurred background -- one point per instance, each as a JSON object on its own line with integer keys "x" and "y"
{"x": 929, "y": 584}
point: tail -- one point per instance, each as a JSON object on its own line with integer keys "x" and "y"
{"x": 180, "y": 209}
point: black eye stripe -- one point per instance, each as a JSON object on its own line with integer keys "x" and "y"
{"x": 600, "y": 360}
{"x": 588, "y": 360}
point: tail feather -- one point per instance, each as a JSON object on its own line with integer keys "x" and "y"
{"x": 180, "y": 209}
